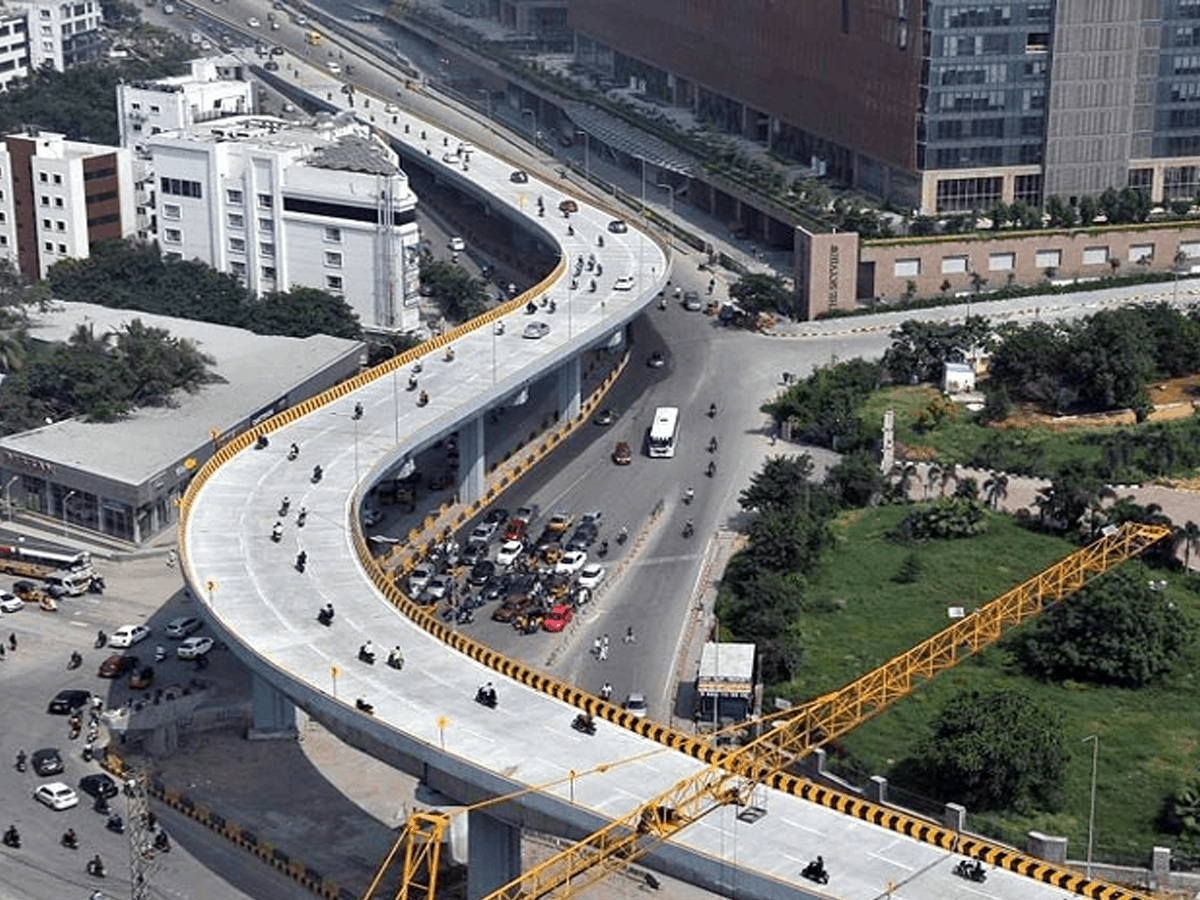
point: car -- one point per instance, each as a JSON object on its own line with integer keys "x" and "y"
{"x": 10, "y": 603}
{"x": 371, "y": 516}
{"x": 624, "y": 283}
{"x": 550, "y": 554}
{"x": 98, "y": 785}
{"x": 571, "y": 562}
{"x": 117, "y": 665}
{"x": 516, "y": 529}
{"x": 128, "y": 635}
{"x": 605, "y": 417}
{"x": 513, "y": 607}
{"x": 56, "y": 795}
{"x": 391, "y": 109}
{"x": 452, "y": 158}
{"x": 591, "y": 576}
{"x": 496, "y": 588}
{"x": 558, "y": 618}
{"x": 535, "y": 330}
{"x": 301, "y": 21}
{"x": 194, "y": 647}
{"x": 527, "y": 513}
{"x": 66, "y": 702}
{"x": 181, "y": 627}
{"x": 457, "y": 244}
{"x": 475, "y": 552}
{"x": 333, "y": 67}
{"x": 277, "y": 51}
{"x": 636, "y": 704}
{"x": 271, "y": 66}
{"x": 568, "y": 206}
{"x": 557, "y": 585}
{"x": 168, "y": 9}
{"x": 419, "y": 577}
{"x": 46, "y": 761}
{"x": 484, "y": 531}
{"x": 584, "y": 535}
{"x": 466, "y": 148}
{"x": 253, "y": 22}
{"x": 439, "y": 586}
{"x": 497, "y": 516}
{"x": 622, "y": 454}
{"x": 141, "y": 678}
{"x": 519, "y": 176}
{"x": 691, "y": 301}
{"x": 481, "y": 572}
{"x": 560, "y": 521}
{"x": 656, "y": 360}
{"x": 509, "y": 552}
{"x": 618, "y": 226}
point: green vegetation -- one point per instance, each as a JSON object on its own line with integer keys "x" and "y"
{"x": 459, "y": 296}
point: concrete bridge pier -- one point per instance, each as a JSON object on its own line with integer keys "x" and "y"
{"x": 472, "y": 463}
{"x": 493, "y": 855}
{"x": 273, "y": 715}
{"x": 570, "y": 380}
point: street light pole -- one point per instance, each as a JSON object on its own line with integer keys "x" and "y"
{"x": 8, "y": 496}
{"x": 587, "y": 147}
{"x": 66, "y": 500}
{"x": 1095, "y": 739}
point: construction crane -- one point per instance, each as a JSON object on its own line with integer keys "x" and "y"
{"x": 733, "y": 775}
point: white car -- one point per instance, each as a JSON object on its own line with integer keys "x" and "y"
{"x": 181, "y": 627}
{"x": 391, "y": 109}
{"x": 509, "y": 552}
{"x": 457, "y": 244}
{"x": 591, "y": 575}
{"x": 624, "y": 283}
{"x": 452, "y": 158}
{"x": 570, "y": 562}
{"x": 253, "y": 22}
{"x": 11, "y": 603}
{"x": 484, "y": 531}
{"x": 636, "y": 704}
{"x": 128, "y": 635}
{"x": 56, "y": 795}
{"x": 335, "y": 68}
{"x": 194, "y": 647}
{"x": 418, "y": 578}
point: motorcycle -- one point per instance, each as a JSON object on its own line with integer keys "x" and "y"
{"x": 486, "y": 696}
{"x": 301, "y": 561}
{"x": 358, "y": 412}
{"x": 21, "y": 760}
{"x": 261, "y": 442}
{"x": 712, "y": 410}
{"x": 815, "y": 871}
{"x": 712, "y": 469}
{"x": 622, "y": 536}
{"x": 12, "y": 838}
{"x": 301, "y": 517}
{"x": 688, "y": 529}
{"x": 972, "y": 871}
{"x": 69, "y": 840}
{"x": 284, "y": 505}
{"x": 317, "y": 473}
{"x": 584, "y": 724}
{"x": 423, "y": 400}
{"x": 712, "y": 445}
{"x": 363, "y": 706}
{"x": 162, "y": 843}
{"x": 75, "y": 661}
{"x": 689, "y": 495}
{"x": 325, "y": 615}
{"x": 367, "y": 655}
{"x": 293, "y": 452}
{"x": 101, "y": 640}
{"x": 95, "y": 867}
{"x": 277, "y": 532}
{"x": 603, "y": 551}
{"x": 531, "y": 308}
{"x": 115, "y": 824}
{"x": 160, "y": 653}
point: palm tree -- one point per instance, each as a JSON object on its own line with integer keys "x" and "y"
{"x": 932, "y": 476}
{"x": 13, "y": 349}
{"x": 1191, "y": 538}
{"x": 996, "y": 488}
{"x": 904, "y": 473}
{"x": 949, "y": 473}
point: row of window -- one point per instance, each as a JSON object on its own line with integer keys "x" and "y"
{"x": 332, "y": 259}
{"x": 1006, "y": 261}
{"x": 333, "y": 283}
{"x": 237, "y": 198}
{"x": 180, "y": 187}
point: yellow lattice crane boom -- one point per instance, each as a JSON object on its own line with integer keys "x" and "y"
{"x": 731, "y": 776}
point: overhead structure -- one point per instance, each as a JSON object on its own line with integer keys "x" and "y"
{"x": 734, "y": 775}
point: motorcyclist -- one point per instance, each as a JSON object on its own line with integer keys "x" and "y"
{"x": 712, "y": 445}
{"x": 294, "y": 450}
{"x": 284, "y": 505}
{"x": 689, "y": 494}
{"x": 261, "y": 442}
{"x": 69, "y": 839}
{"x": 162, "y": 842}
{"x": 622, "y": 535}
{"x": 712, "y": 410}
{"x": 396, "y": 658}
{"x": 301, "y": 560}
{"x": 358, "y": 410}
{"x": 367, "y": 652}
{"x": 76, "y": 659}
{"x": 277, "y": 532}
{"x": 317, "y": 473}
{"x": 95, "y": 866}
{"x": 423, "y": 399}
{"x": 115, "y": 823}
{"x": 688, "y": 528}
{"x": 712, "y": 468}
{"x": 301, "y": 517}
{"x": 12, "y": 837}
{"x": 21, "y": 758}
{"x": 412, "y": 382}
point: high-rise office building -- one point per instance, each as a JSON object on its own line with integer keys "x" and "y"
{"x": 941, "y": 105}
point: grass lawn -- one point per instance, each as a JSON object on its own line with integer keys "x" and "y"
{"x": 859, "y": 617}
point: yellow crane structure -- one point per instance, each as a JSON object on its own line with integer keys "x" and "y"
{"x": 732, "y": 775}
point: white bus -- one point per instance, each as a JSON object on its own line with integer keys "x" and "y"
{"x": 663, "y": 432}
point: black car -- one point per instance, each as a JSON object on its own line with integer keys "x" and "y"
{"x": 475, "y": 553}
{"x": 46, "y": 761}
{"x": 482, "y": 571}
{"x": 525, "y": 584}
{"x": 496, "y": 515}
{"x": 496, "y": 587}
{"x": 66, "y": 702}
{"x": 98, "y": 785}
{"x": 583, "y": 537}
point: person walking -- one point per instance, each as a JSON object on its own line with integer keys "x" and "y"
{"x": 596, "y": 647}
{"x": 606, "y": 691}
{"x": 629, "y": 637}
{"x": 12, "y": 642}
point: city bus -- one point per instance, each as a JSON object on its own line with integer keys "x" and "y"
{"x": 663, "y": 432}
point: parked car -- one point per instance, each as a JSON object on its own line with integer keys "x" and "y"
{"x": 128, "y": 635}
{"x": 656, "y": 360}
{"x": 691, "y": 301}
{"x": 513, "y": 607}
{"x": 98, "y": 785}
{"x": 457, "y": 244}
{"x": 636, "y": 704}
{"x": 571, "y": 562}
{"x": 568, "y": 206}
{"x": 622, "y": 454}
{"x": 419, "y": 577}
{"x": 509, "y": 552}
{"x": 66, "y": 702}
{"x": 558, "y": 618}
{"x": 181, "y": 627}
{"x": 439, "y": 587}
{"x": 519, "y": 176}
{"x": 591, "y": 575}
{"x": 10, "y": 603}
{"x": 46, "y": 761}
{"x": 117, "y": 665}
{"x": 56, "y": 795}
{"x": 194, "y": 647}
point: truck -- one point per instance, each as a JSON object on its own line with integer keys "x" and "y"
{"x": 70, "y": 572}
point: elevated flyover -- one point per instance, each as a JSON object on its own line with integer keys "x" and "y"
{"x": 424, "y": 719}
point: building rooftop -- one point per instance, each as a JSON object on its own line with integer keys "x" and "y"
{"x": 251, "y": 372}
{"x": 352, "y": 153}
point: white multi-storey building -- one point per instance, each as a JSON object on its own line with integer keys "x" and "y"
{"x": 14, "y": 47}
{"x": 58, "y": 197}
{"x": 215, "y": 88}
{"x": 319, "y": 204}
{"x": 61, "y": 34}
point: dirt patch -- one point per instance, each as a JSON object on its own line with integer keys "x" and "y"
{"x": 1172, "y": 399}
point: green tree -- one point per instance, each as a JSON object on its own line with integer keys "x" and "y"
{"x": 1115, "y": 631}
{"x": 1076, "y": 489}
{"x": 303, "y": 311}
{"x": 782, "y": 484}
{"x": 910, "y": 570}
{"x": 460, "y": 296}
{"x": 1061, "y": 215}
{"x": 856, "y": 480}
{"x": 920, "y": 350}
{"x": 995, "y": 750}
{"x": 757, "y": 293}
{"x": 158, "y": 363}
{"x": 1088, "y": 210}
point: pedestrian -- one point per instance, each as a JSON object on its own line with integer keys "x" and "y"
{"x": 12, "y": 642}
{"x": 603, "y": 652}
{"x": 596, "y": 647}
{"x": 2, "y": 652}
{"x": 171, "y": 560}
{"x": 629, "y": 638}
{"x": 606, "y": 691}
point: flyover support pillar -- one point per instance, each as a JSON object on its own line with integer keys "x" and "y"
{"x": 273, "y": 716}
{"x": 569, "y": 385}
{"x": 472, "y": 461}
{"x": 493, "y": 855}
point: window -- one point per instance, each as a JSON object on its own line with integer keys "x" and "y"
{"x": 238, "y": 269}
{"x": 237, "y": 220}
{"x": 49, "y": 247}
{"x": 268, "y": 273}
{"x": 1138, "y": 252}
{"x": 155, "y": 109}
{"x": 46, "y": 223}
{"x": 333, "y": 283}
{"x": 333, "y": 235}
{"x": 58, "y": 179}
{"x": 180, "y": 188}
{"x": 171, "y": 210}
{"x": 1095, "y": 256}
{"x": 333, "y": 258}
{"x": 266, "y": 225}
{"x": 906, "y": 268}
{"x": 234, "y": 197}
{"x": 267, "y": 249}
{"x": 1048, "y": 259}
{"x": 60, "y": 225}
{"x": 237, "y": 245}
{"x": 173, "y": 235}
{"x": 954, "y": 265}
{"x": 264, "y": 201}
{"x": 45, "y": 200}
{"x": 1001, "y": 262}
{"x": 62, "y": 248}
{"x": 58, "y": 201}
{"x": 42, "y": 177}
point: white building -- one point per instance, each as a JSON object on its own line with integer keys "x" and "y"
{"x": 14, "y": 47}
{"x": 215, "y": 88}
{"x": 318, "y": 204}
{"x": 58, "y": 197}
{"x": 61, "y": 34}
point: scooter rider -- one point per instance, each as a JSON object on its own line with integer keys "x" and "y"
{"x": 70, "y": 840}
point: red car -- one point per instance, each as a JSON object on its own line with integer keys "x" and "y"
{"x": 515, "y": 530}
{"x": 117, "y": 665}
{"x": 622, "y": 455}
{"x": 558, "y": 618}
